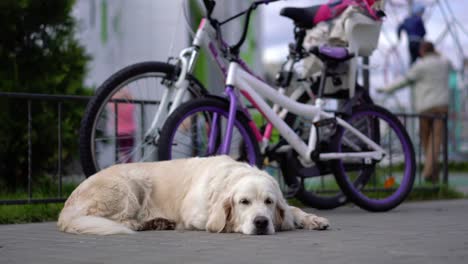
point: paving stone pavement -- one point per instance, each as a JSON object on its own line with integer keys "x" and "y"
{"x": 423, "y": 232}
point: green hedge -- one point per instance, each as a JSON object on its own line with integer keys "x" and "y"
{"x": 39, "y": 53}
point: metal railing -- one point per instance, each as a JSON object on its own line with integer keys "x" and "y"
{"x": 29, "y": 99}
{"x": 409, "y": 120}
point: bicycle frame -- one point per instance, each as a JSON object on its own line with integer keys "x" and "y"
{"x": 254, "y": 90}
{"x": 205, "y": 37}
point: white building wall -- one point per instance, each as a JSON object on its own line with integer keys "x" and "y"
{"x": 142, "y": 30}
{"x": 137, "y": 30}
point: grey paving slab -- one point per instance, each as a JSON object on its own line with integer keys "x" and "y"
{"x": 429, "y": 232}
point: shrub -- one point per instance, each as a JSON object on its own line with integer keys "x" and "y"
{"x": 38, "y": 54}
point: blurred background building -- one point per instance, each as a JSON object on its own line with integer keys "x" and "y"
{"x": 118, "y": 33}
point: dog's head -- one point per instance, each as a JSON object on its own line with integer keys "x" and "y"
{"x": 253, "y": 205}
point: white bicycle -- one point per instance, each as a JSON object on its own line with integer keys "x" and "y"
{"x": 122, "y": 121}
{"x": 374, "y": 171}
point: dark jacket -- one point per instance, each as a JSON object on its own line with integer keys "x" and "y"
{"x": 414, "y": 27}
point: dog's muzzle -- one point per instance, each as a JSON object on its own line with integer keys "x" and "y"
{"x": 261, "y": 225}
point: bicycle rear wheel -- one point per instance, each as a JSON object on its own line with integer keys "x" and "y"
{"x": 197, "y": 129}
{"x": 392, "y": 177}
{"x": 116, "y": 121}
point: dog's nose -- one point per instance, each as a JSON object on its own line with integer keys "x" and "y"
{"x": 261, "y": 222}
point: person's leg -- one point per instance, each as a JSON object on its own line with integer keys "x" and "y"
{"x": 438, "y": 134}
{"x": 424, "y": 137}
{"x": 126, "y": 143}
{"x": 434, "y": 141}
{"x": 414, "y": 51}
{"x": 424, "y": 125}
{"x": 430, "y": 159}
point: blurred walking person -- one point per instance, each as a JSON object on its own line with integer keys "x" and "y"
{"x": 125, "y": 128}
{"x": 415, "y": 29}
{"x": 429, "y": 77}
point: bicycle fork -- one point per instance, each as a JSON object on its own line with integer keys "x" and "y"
{"x": 174, "y": 92}
{"x": 231, "y": 119}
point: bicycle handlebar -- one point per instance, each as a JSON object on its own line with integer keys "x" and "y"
{"x": 235, "y": 48}
{"x": 210, "y": 4}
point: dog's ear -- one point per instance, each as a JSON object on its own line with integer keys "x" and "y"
{"x": 284, "y": 219}
{"x": 279, "y": 217}
{"x": 220, "y": 218}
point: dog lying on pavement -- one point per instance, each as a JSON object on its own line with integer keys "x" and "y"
{"x": 216, "y": 194}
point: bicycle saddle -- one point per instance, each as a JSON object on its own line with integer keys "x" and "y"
{"x": 303, "y": 17}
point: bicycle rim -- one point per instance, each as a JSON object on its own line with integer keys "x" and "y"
{"x": 391, "y": 179}
{"x": 120, "y": 130}
{"x": 200, "y": 133}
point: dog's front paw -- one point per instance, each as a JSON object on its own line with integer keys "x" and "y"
{"x": 313, "y": 222}
{"x": 158, "y": 224}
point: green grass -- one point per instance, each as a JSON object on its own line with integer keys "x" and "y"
{"x": 28, "y": 213}
{"x": 428, "y": 192}
{"x": 458, "y": 166}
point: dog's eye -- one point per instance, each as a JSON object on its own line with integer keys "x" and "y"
{"x": 244, "y": 201}
{"x": 268, "y": 201}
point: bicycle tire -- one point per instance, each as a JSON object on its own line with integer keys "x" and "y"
{"x": 322, "y": 200}
{"x": 140, "y": 78}
{"x": 385, "y": 180}
{"x": 191, "y": 121}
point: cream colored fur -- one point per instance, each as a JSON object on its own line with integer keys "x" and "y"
{"x": 196, "y": 194}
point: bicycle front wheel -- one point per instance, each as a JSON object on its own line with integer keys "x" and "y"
{"x": 392, "y": 177}
{"x": 115, "y": 125}
{"x": 197, "y": 129}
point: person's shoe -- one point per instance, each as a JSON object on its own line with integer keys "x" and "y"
{"x": 428, "y": 180}
{"x": 432, "y": 180}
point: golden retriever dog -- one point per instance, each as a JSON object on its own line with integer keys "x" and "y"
{"x": 216, "y": 194}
